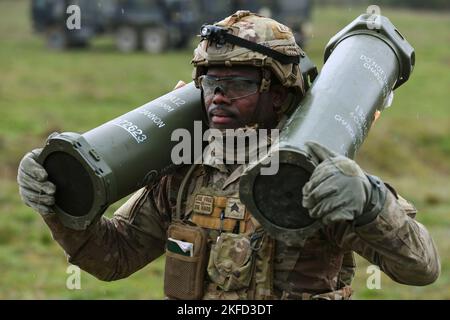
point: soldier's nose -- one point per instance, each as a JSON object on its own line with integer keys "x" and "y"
{"x": 220, "y": 97}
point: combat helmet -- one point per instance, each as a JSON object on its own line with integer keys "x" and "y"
{"x": 248, "y": 39}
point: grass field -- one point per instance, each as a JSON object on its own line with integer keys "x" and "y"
{"x": 42, "y": 92}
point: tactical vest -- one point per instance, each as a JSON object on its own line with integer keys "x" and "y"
{"x": 237, "y": 257}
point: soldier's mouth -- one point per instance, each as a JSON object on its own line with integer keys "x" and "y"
{"x": 221, "y": 119}
{"x": 221, "y": 116}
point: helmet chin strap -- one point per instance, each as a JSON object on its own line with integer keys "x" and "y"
{"x": 255, "y": 114}
{"x": 265, "y": 86}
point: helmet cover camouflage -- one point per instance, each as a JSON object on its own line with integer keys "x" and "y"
{"x": 258, "y": 29}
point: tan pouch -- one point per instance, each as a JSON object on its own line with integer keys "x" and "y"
{"x": 231, "y": 262}
{"x": 184, "y": 275}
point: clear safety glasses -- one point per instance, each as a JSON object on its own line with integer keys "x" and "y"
{"x": 232, "y": 87}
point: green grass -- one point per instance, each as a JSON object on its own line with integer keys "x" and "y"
{"x": 42, "y": 92}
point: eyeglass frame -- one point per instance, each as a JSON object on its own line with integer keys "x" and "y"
{"x": 253, "y": 81}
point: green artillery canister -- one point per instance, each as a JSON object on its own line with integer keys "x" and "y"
{"x": 362, "y": 67}
{"x": 95, "y": 169}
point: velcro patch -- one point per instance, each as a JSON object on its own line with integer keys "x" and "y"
{"x": 235, "y": 209}
{"x": 282, "y": 28}
{"x": 203, "y": 204}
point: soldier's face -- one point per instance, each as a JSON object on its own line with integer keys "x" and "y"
{"x": 241, "y": 107}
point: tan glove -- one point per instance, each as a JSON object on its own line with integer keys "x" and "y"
{"x": 340, "y": 190}
{"x": 34, "y": 188}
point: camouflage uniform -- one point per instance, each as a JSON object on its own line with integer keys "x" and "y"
{"x": 114, "y": 248}
{"x": 243, "y": 261}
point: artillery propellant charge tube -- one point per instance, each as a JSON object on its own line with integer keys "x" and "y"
{"x": 364, "y": 63}
{"x": 95, "y": 169}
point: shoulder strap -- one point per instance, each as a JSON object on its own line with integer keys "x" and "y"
{"x": 182, "y": 190}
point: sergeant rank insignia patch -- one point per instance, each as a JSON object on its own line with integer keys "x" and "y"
{"x": 203, "y": 204}
{"x": 235, "y": 209}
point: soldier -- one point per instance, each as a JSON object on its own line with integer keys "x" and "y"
{"x": 242, "y": 86}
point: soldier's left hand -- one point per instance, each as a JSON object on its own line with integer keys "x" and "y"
{"x": 338, "y": 189}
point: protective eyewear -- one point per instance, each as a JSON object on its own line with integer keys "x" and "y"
{"x": 232, "y": 87}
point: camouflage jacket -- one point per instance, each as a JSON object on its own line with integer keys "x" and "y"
{"x": 114, "y": 248}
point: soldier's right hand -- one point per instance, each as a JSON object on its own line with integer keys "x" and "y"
{"x": 34, "y": 188}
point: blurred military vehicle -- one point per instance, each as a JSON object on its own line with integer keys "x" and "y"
{"x": 296, "y": 14}
{"x": 153, "y": 25}
{"x": 49, "y": 18}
